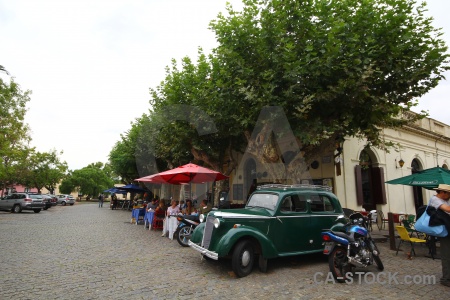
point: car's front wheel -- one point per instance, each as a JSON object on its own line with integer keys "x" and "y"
{"x": 183, "y": 235}
{"x": 37, "y": 210}
{"x": 243, "y": 258}
{"x": 63, "y": 203}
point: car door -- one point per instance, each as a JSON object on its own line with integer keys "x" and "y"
{"x": 4, "y": 203}
{"x": 324, "y": 212}
{"x": 292, "y": 224}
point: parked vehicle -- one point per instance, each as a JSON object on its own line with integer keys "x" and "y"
{"x": 278, "y": 220}
{"x": 54, "y": 199}
{"x": 16, "y": 202}
{"x": 186, "y": 226}
{"x": 47, "y": 201}
{"x": 66, "y": 199}
{"x": 349, "y": 246}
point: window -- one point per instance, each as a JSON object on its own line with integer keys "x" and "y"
{"x": 321, "y": 203}
{"x": 299, "y": 203}
{"x": 287, "y": 204}
{"x": 268, "y": 201}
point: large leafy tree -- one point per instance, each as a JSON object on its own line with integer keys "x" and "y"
{"x": 45, "y": 169}
{"x": 14, "y": 132}
{"x": 133, "y": 156}
{"x": 336, "y": 68}
{"x": 328, "y": 69}
{"x": 190, "y": 122}
{"x": 90, "y": 180}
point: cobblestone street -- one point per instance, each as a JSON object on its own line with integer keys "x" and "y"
{"x": 86, "y": 252}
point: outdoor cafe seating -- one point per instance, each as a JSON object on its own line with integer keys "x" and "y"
{"x": 404, "y": 237}
{"x": 158, "y": 221}
{"x": 137, "y": 214}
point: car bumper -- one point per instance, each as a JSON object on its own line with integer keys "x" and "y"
{"x": 33, "y": 206}
{"x": 203, "y": 251}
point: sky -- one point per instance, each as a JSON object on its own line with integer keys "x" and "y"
{"x": 90, "y": 64}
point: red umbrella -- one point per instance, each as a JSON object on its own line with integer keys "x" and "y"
{"x": 189, "y": 173}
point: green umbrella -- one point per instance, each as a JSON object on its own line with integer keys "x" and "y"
{"x": 429, "y": 178}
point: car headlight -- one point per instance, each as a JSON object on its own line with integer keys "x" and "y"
{"x": 216, "y": 223}
{"x": 202, "y": 218}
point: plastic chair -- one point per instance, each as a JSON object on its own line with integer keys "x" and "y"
{"x": 404, "y": 237}
{"x": 158, "y": 221}
{"x": 381, "y": 220}
{"x": 411, "y": 230}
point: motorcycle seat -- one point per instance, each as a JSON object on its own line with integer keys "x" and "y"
{"x": 344, "y": 235}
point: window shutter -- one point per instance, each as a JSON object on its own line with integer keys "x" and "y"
{"x": 359, "y": 190}
{"x": 379, "y": 191}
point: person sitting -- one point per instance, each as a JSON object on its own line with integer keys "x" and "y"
{"x": 189, "y": 209}
{"x": 182, "y": 205}
{"x": 152, "y": 205}
{"x": 160, "y": 209}
{"x": 204, "y": 207}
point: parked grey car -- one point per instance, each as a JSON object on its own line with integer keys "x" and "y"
{"x": 16, "y": 202}
{"x": 66, "y": 199}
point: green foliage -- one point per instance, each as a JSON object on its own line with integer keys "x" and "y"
{"x": 338, "y": 68}
{"x": 131, "y": 157}
{"x": 14, "y": 133}
{"x": 90, "y": 180}
{"x": 44, "y": 170}
{"x": 3, "y": 69}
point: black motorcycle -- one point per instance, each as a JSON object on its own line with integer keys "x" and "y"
{"x": 350, "y": 246}
{"x": 186, "y": 226}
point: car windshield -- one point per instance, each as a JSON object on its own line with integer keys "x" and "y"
{"x": 268, "y": 201}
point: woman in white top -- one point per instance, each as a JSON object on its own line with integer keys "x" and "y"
{"x": 171, "y": 222}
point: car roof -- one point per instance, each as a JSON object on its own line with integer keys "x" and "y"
{"x": 277, "y": 188}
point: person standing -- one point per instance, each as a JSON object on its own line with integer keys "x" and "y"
{"x": 441, "y": 201}
{"x": 171, "y": 221}
{"x": 100, "y": 200}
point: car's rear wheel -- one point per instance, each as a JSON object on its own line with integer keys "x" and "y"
{"x": 71, "y": 203}
{"x": 17, "y": 209}
{"x": 37, "y": 210}
{"x": 243, "y": 258}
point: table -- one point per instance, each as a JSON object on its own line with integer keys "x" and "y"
{"x": 136, "y": 213}
{"x": 148, "y": 219}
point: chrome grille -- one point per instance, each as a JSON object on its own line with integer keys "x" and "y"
{"x": 209, "y": 226}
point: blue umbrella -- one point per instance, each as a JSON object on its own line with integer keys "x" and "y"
{"x": 115, "y": 191}
{"x": 132, "y": 188}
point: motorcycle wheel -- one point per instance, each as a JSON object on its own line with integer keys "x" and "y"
{"x": 376, "y": 258}
{"x": 339, "y": 265}
{"x": 183, "y": 235}
{"x": 379, "y": 263}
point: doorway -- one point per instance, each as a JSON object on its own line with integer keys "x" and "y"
{"x": 417, "y": 190}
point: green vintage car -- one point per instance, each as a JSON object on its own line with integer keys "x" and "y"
{"x": 278, "y": 220}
